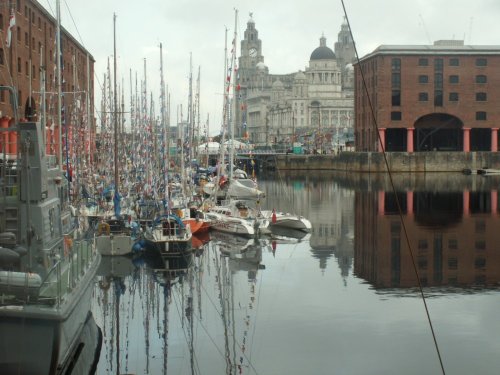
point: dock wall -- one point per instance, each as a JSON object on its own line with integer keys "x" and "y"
{"x": 397, "y": 161}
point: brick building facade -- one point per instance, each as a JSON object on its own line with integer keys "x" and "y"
{"x": 33, "y": 48}
{"x": 442, "y": 97}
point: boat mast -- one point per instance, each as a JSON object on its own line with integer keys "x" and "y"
{"x": 115, "y": 106}
{"x": 233, "y": 113}
{"x": 164, "y": 128}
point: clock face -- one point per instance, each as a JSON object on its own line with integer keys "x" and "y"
{"x": 252, "y": 52}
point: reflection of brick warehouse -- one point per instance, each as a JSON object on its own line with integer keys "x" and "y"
{"x": 453, "y": 236}
{"x": 34, "y": 40}
{"x": 438, "y": 97}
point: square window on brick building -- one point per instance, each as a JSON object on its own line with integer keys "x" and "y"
{"x": 453, "y": 79}
{"x": 481, "y": 96}
{"x": 481, "y": 116}
{"x": 481, "y": 62}
{"x": 423, "y": 62}
{"x": 454, "y": 62}
{"x": 423, "y": 79}
{"x": 481, "y": 79}
{"x": 396, "y": 116}
{"x": 423, "y": 97}
{"x": 453, "y": 97}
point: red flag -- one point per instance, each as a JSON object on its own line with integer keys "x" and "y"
{"x": 273, "y": 219}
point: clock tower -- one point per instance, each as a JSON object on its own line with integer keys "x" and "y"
{"x": 248, "y": 75}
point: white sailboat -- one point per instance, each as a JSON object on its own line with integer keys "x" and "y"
{"x": 114, "y": 235}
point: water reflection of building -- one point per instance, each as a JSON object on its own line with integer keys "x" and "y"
{"x": 452, "y": 231}
{"x": 329, "y": 207}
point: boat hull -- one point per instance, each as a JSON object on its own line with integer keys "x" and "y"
{"x": 40, "y": 339}
{"x": 114, "y": 244}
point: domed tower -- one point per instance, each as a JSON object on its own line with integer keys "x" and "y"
{"x": 323, "y": 74}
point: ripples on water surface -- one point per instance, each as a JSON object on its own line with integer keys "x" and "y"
{"x": 342, "y": 300}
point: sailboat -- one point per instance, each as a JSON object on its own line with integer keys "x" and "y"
{"x": 167, "y": 233}
{"x": 115, "y": 235}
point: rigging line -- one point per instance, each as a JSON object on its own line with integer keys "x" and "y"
{"x": 375, "y": 125}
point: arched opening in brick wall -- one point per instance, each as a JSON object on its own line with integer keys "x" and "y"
{"x": 438, "y": 132}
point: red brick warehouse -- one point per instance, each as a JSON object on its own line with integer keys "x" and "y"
{"x": 441, "y": 97}
{"x": 33, "y": 45}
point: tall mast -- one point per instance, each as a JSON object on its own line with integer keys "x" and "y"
{"x": 115, "y": 117}
{"x": 190, "y": 108}
{"x": 164, "y": 127}
{"x": 88, "y": 147}
{"x": 59, "y": 104}
{"x": 233, "y": 117}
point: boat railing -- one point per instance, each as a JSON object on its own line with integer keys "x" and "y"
{"x": 66, "y": 273}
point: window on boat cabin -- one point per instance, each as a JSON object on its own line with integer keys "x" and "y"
{"x": 454, "y": 61}
{"x": 453, "y": 79}
{"x": 481, "y": 62}
{"x": 481, "y": 97}
{"x": 453, "y": 97}
{"x": 481, "y": 116}
{"x": 423, "y": 97}
{"x": 423, "y": 61}
{"x": 481, "y": 78}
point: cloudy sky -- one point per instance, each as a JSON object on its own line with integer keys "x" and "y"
{"x": 289, "y": 30}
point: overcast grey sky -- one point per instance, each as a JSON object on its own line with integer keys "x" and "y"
{"x": 289, "y": 30}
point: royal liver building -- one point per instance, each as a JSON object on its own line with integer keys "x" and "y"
{"x": 314, "y": 106}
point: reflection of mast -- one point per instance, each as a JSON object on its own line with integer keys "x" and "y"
{"x": 166, "y": 298}
{"x": 221, "y": 278}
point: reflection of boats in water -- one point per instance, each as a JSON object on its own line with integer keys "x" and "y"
{"x": 283, "y": 233}
{"x": 47, "y": 265}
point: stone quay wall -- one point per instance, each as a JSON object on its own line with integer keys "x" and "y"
{"x": 433, "y": 161}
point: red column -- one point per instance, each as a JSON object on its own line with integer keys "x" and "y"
{"x": 409, "y": 202}
{"x": 494, "y": 139}
{"x": 381, "y": 141}
{"x": 381, "y": 202}
{"x": 409, "y": 139}
{"x": 494, "y": 202}
{"x": 466, "y": 139}
{"x": 466, "y": 198}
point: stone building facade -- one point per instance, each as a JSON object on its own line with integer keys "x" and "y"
{"x": 314, "y": 106}
{"x": 441, "y": 97}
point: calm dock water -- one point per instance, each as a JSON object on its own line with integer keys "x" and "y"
{"x": 341, "y": 300}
